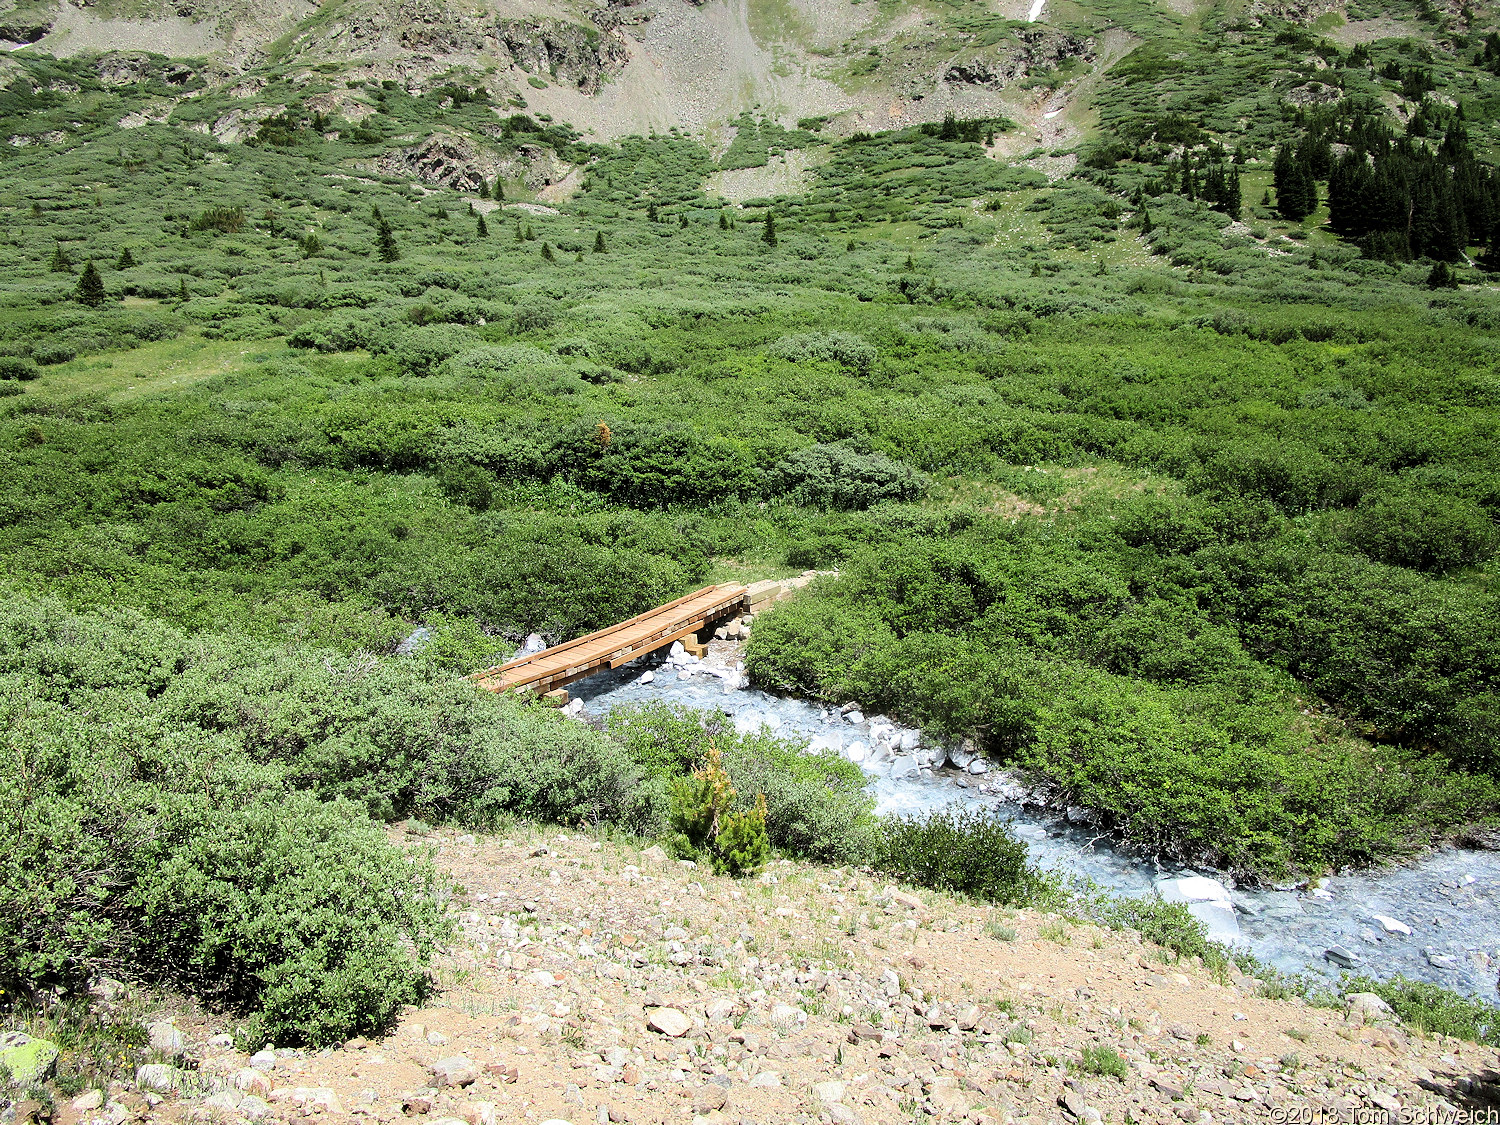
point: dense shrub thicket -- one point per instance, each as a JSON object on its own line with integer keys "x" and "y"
{"x": 1156, "y": 711}
{"x": 201, "y": 812}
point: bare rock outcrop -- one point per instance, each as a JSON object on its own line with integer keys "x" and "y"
{"x": 1036, "y": 51}
{"x": 571, "y": 54}
{"x": 456, "y": 162}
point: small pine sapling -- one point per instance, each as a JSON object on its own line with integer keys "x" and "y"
{"x": 91, "y": 286}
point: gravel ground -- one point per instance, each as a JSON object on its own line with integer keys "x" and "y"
{"x": 596, "y": 982}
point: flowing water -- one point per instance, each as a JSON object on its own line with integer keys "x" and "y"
{"x": 1449, "y": 900}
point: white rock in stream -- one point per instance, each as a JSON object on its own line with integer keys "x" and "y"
{"x": 1392, "y": 925}
{"x": 904, "y": 766}
{"x": 1208, "y": 901}
{"x": 910, "y": 739}
{"x": 856, "y": 751}
{"x": 979, "y": 765}
{"x": 855, "y": 717}
{"x": 647, "y": 677}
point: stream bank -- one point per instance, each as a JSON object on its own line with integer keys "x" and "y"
{"x": 1435, "y": 919}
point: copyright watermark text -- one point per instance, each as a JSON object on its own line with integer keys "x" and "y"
{"x": 1374, "y": 1115}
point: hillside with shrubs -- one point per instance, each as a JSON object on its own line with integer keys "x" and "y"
{"x": 1133, "y": 381}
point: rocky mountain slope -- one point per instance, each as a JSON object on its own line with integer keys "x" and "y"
{"x": 594, "y": 982}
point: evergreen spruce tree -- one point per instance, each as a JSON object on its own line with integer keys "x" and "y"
{"x": 385, "y": 243}
{"x": 36, "y": 209}
{"x": 769, "y": 238}
{"x": 1442, "y": 277}
{"x": 182, "y": 293}
{"x": 1146, "y": 225}
{"x": 1296, "y": 192}
{"x": 520, "y": 237}
{"x": 651, "y": 214}
{"x": 682, "y": 221}
{"x": 126, "y": 259}
{"x": 482, "y": 227}
{"x": 599, "y": 247}
{"x": 547, "y": 255}
{"x": 91, "y": 286}
{"x": 499, "y": 192}
{"x": 530, "y": 234}
{"x": 723, "y": 220}
{"x": 484, "y": 188}
{"x": 62, "y": 261}
{"x": 949, "y": 130}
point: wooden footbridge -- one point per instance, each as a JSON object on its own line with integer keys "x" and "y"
{"x": 555, "y": 667}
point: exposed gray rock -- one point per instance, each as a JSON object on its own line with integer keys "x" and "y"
{"x": 568, "y": 53}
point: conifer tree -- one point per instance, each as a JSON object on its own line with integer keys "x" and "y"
{"x": 182, "y": 293}
{"x": 385, "y": 243}
{"x": 1296, "y": 192}
{"x": 682, "y": 220}
{"x": 547, "y": 255}
{"x": 481, "y": 227}
{"x": 62, "y": 261}
{"x": 651, "y": 215}
{"x": 530, "y": 234}
{"x": 126, "y": 259}
{"x": 1442, "y": 277}
{"x": 769, "y": 237}
{"x": 599, "y": 247}
{"x": 499, "y": 192}
{"x": 484, "y": 188}
{"x": 1146, "y": 224}
{"x": 520, "y": 237}
{"x": 723, "y": 220}
{"x": 91, "y": 286}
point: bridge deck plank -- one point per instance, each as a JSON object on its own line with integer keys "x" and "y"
{"x": 616, "y": 645}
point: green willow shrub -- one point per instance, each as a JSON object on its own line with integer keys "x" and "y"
{"x": 811, "y": 644}
{"x": 158, "y": 852}
{"x": 964, "y": 851}
{"x": 420, "y": 351}
{"x": 835, "y": 476}
{"x": 18, "y": 367}
{"x": 843, "y": 349}
{"x": 1425, "y": 531}
{"x": 1434, "y": 1010}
